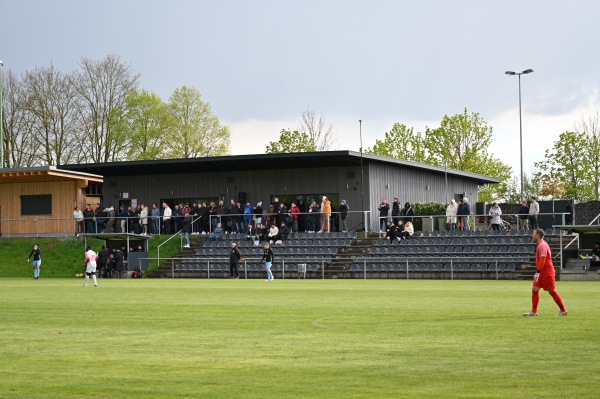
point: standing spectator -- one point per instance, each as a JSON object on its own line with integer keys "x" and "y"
{"x": 155, "y": 219}
{"x": 119, "y": 257}
{"x": 326, "y": 210}
{"x": 395, "y": 211}
{"x": 248, "y": 211}
{"x": 100, "y": 219}
{"x": 103, "y": 257}
{"x": 274, "y": 218}
{"x": 258, "y": 212}
{"x": 384, "y": 209}
{"x": 534, "y": 209}
{"x": 239, "y": 218}
{"x": 234, "y": 260}
{"x": 569, "y": 214}
{"x": 282, "y": 214}
{"x": 78, "y": 215}
{"x": 220, "y": 213}
{"x": 268, "y": 258}
{"x": 123, "y": 219}
{"x": 177, "y": 217}
{"x": 186, "y": 209}
{"x": 37, "y": 260}
{"x": 90, "y": 266}
{"x": 205, "y": 216}
{"x": 465, "y": 213}
{"x": 213, "y": 216}
{"x": 524, "y": 216}
{"x": 495, "y": 212}
{"x": 111, "y": 216}
{"x": 344, "y": 209}
{"x": 196, "y": 218}
{"x": 88, "y": 215}
{"x": 451, "y": 214}
{"x": 295, "y": 212}
{"x": 313, "y": 217}
{"x": 186, "y": 227}
{"x": 132, "y": 220}
{"x": 167, "y": 213}
{"x": 144, "y": 219}
{"x": 408, "y": 212}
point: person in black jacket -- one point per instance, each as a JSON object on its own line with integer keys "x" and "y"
{"x": 396, "y": 211}
{"x": 408, "y": 212}
{"x": 37, "y": 260}
{"x": 234, "y": 260}
{"x": 344, "y": 209}
{"x": 384, "y": 209}
{"x": 524, "y": 216}
{"x": 391, "y": 232}
{"x": 268, "y": 258}
{"x": 103, "y": 256}
{"x": 569, "y": 213}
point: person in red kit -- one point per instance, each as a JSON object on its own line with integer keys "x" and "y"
{"x": 545, "y": 276}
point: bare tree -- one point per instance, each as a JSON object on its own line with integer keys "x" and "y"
{"x": 19, "y": 147}
{"x": 50, "y": 101}
{"x": 590, "y": 125}
{"x": 317, "y": 129}
{"x": 102, "y": 87}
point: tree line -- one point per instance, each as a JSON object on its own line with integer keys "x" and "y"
{"x": 98, "y": 113}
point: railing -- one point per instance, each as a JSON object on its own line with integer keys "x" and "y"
{"x": 300, "y": 268}
{"x": 267, "y": 218}
{"x": 560, "y": 253}
{"x": 38, "y": 226}
{"x": 446, "y": 265}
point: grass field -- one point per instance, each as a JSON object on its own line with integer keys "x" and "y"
{"x": 295, "y": 339}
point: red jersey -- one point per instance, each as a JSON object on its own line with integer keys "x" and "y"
{"x": 547, "y": 268}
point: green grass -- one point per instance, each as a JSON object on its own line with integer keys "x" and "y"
{"x": 295, "y": 339}
{"x": 64, "y": 257}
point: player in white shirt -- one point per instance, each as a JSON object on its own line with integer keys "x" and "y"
{"x": 90, "y": 266}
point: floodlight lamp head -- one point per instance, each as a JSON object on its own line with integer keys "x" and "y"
{"x": 510, "y": 73}
{"x": 525, "y": 72}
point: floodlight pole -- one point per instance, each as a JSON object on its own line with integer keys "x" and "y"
{"x": 362, "y": 177}
{"x": 511, "y": 73}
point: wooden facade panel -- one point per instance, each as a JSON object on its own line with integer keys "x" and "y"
{"x": 65, "y": 194}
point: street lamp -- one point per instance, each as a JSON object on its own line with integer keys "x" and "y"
{"x": 362, "y": 181}
{"x": 1, "y": 124}
{"x": 511, "y": 73}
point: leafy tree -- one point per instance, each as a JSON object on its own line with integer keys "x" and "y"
{"x": 568, "y": 161}
{"x": 400, "y": 142}
{"x": 590, "y": 125}
{"x": 146, "y": 122}
{"x": 195, "y": 130}
{"x": 532, "y": 187}
{"x": 461, "y": 142}
{"x": 291, "y": 142}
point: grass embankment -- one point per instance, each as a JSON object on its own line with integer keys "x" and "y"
{"x": 63, "y": 257}
{"x": 163, "y": 338}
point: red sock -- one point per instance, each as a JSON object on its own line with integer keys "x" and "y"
{"x": 535, "y": 299}
{"x": 558, "y": 300}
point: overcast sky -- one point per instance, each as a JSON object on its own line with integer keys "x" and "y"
{"x": 261, "y": 63}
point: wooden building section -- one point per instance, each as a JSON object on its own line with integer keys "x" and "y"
{"x": 60, "y": 190}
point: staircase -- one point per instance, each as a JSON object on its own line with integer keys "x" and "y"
{"x": 165, "y": 271}
{"x": 346, "y": 255}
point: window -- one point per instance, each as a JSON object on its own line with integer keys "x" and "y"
{"x": 36, "y": 205}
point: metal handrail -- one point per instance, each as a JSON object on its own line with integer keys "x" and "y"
{"x": 575, "y": 238}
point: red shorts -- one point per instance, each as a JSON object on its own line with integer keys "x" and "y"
{"x": 547, "y": 283}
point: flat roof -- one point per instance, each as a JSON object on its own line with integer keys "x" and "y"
{"x": 260, "y": 162}
{"x": 44, "y": 173}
